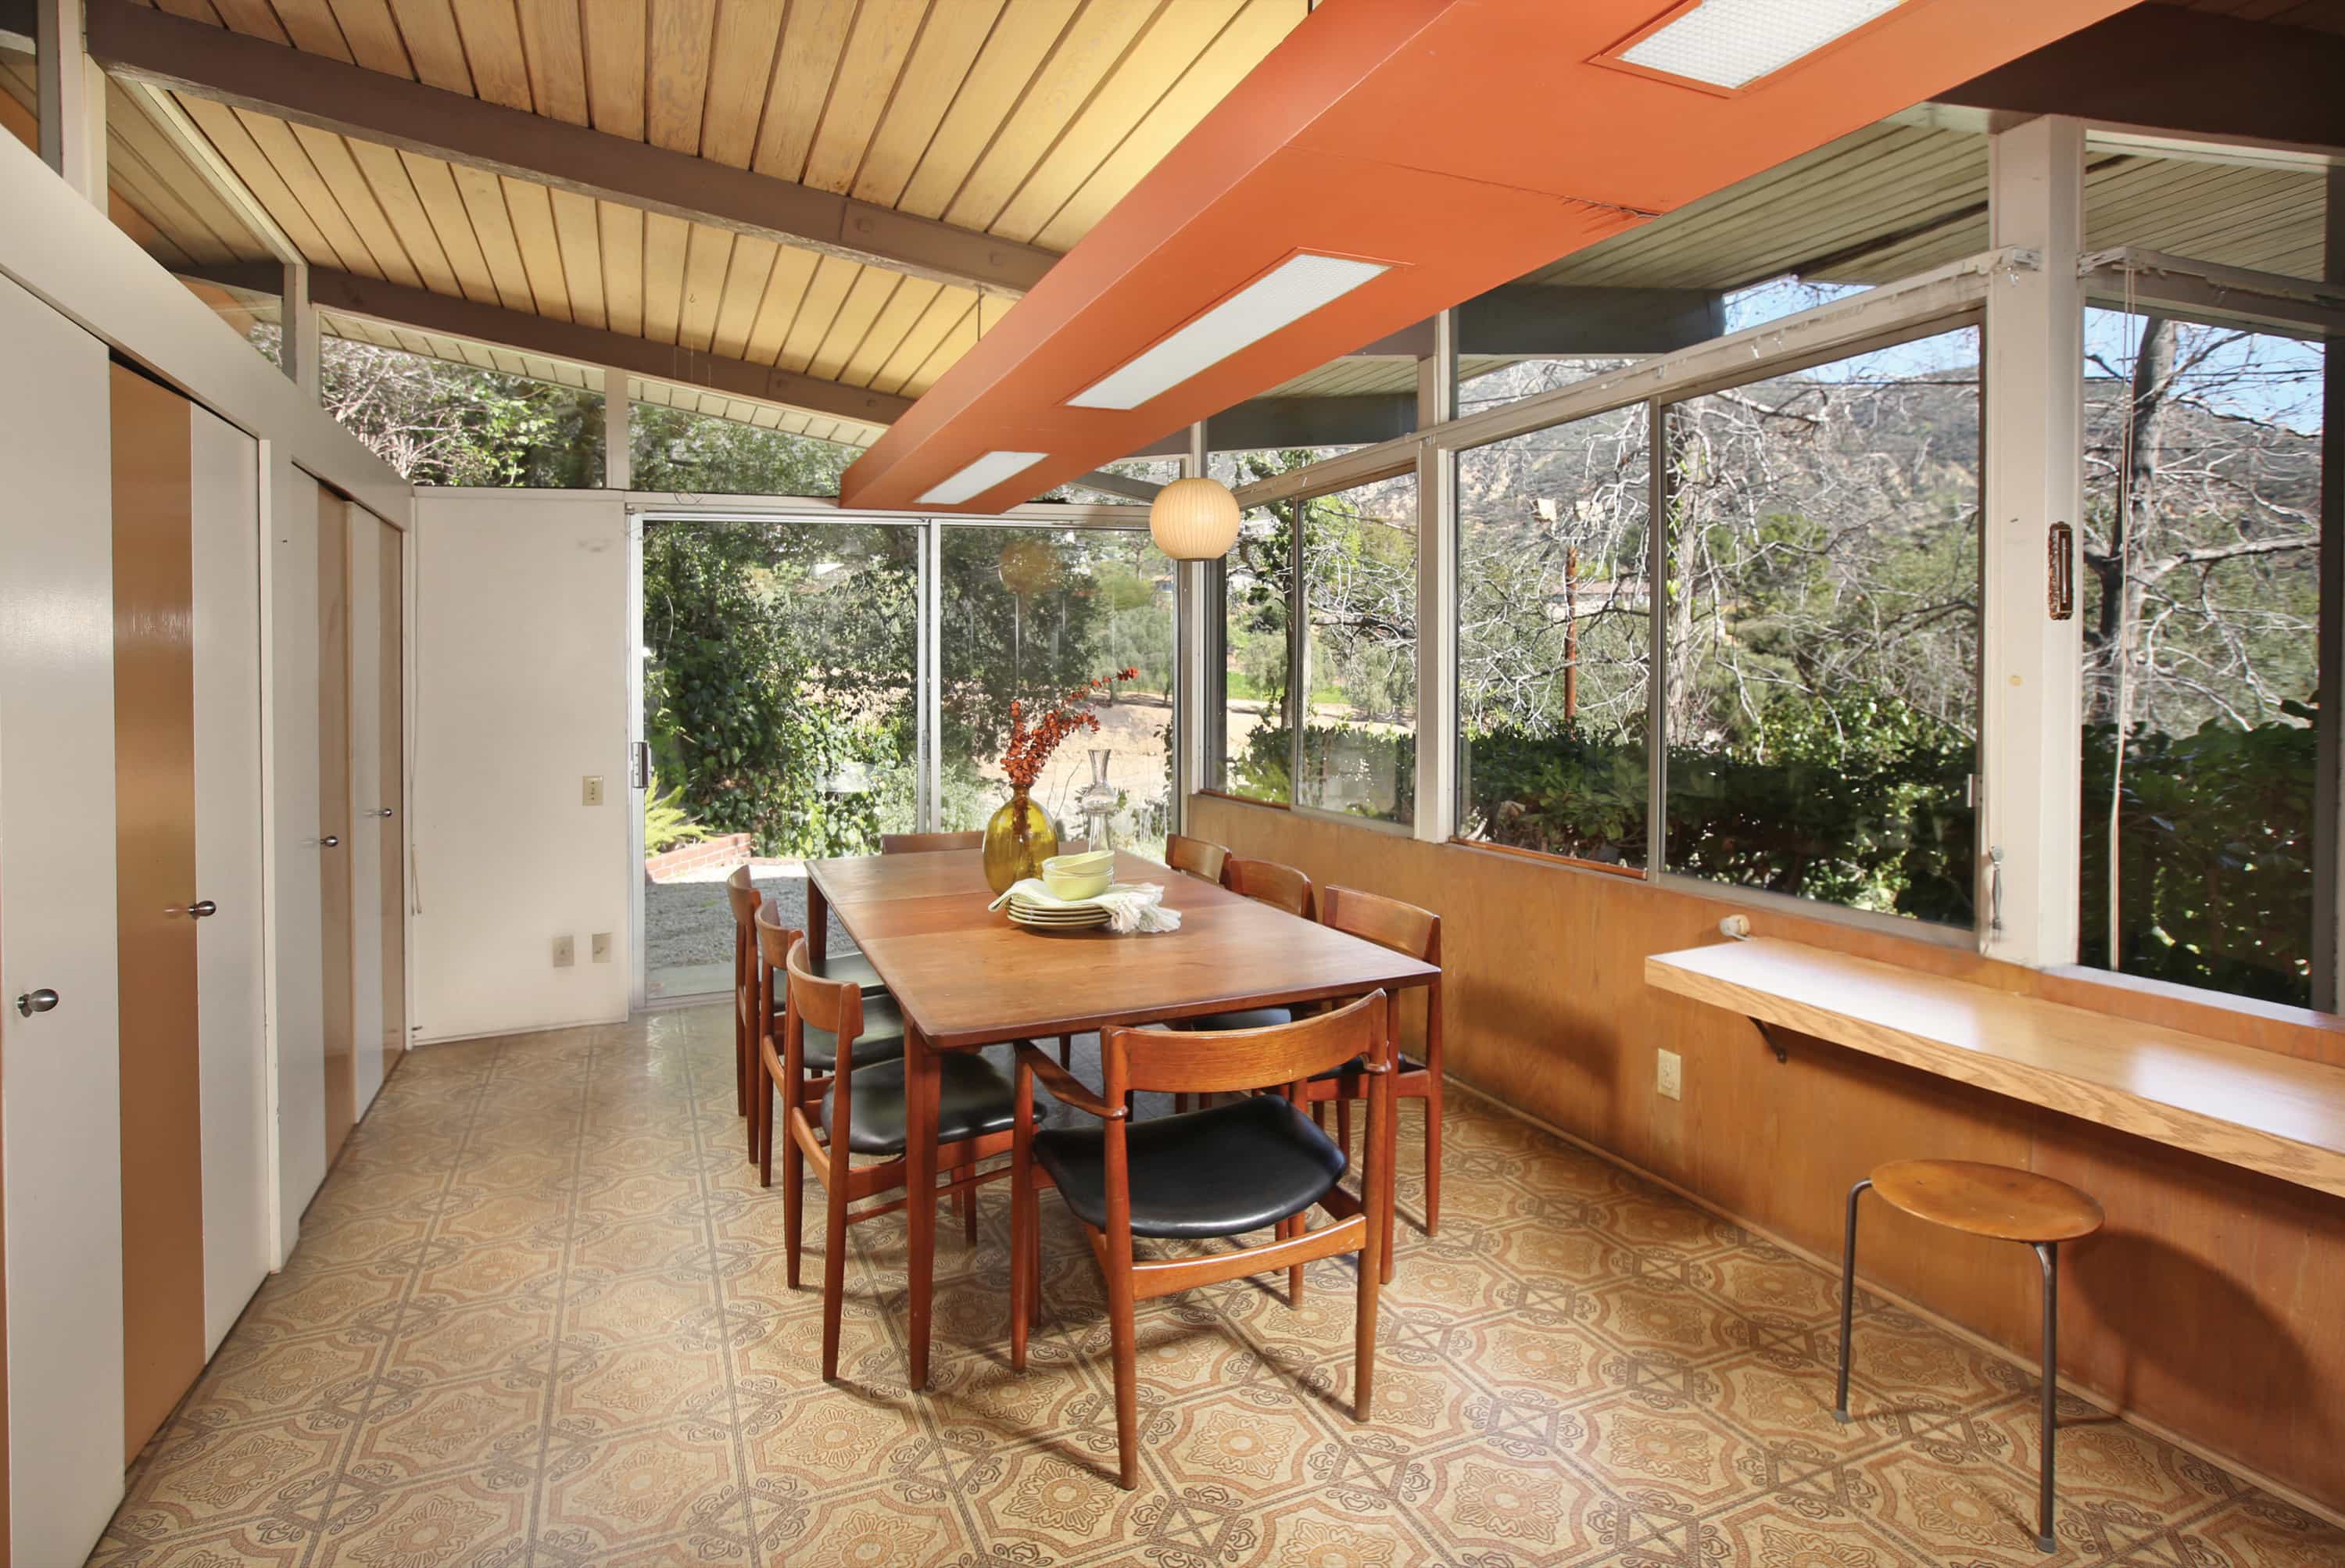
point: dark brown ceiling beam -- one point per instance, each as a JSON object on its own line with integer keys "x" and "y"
{"x": 1572, "y": 318}
{"x": 421, "y": 311}
{"x": 315, "y": 90}
{"x": 1122, "y": 484}
{"x": 2172, "y": 69}
{"x": 1274, "y": 423}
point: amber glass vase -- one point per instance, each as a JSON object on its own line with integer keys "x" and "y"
{"x": 1021, "y": 837}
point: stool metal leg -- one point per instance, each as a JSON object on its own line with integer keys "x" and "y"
{"x": 2048, "y": 1254}
{"x": 1847, "y": 1298}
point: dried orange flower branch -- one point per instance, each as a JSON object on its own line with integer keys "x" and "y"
{"x": 1029, "y": 749}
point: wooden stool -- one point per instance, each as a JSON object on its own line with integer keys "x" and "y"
{"x": 1983, "y": 1200}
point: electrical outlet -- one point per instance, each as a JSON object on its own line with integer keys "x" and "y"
{"x": 565, "y": 952}
{"x": 598, "y": 947}
{"x": 591, "y": 794}
{"x": 1670, "y": 1079}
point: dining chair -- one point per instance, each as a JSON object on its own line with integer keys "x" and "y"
{"x": 929, "y": 843}
{"x": 1255, "y": 1163}
{"x": 882, "y": 1040}
{"x": 861, "y": 1111}
{"x": 1405, "y": 928}
{"x": 742, "y": 895}
{"x": 1268, "y": 883}
{"x": 1200, "y": 858}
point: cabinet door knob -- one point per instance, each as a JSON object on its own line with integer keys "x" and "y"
{"x": 34, "y": 1002}
{"x": 202, "y": 909}
{"x": 328, "y": 842}
{"x": 384, "y": 812}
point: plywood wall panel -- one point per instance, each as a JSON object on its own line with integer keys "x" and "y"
{"x": 154, "y": 830}
{"x": 2207, "y": 1305}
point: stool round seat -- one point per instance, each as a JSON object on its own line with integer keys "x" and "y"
{"x": 1994, "y": 1201}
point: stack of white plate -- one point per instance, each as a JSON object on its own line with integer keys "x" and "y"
{"x": 1053, "y": 916}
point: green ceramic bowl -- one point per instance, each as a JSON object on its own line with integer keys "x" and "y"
{"x": 1079, "y": 876}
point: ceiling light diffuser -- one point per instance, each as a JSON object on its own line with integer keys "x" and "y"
{"x": 980, "y": 476}
{"x": 1733, "y": 43}
{"x": 1279, "y": 297}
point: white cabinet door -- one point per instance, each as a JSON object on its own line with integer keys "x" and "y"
{"x": 366, "y": 826}
{"x": 296, "y": 953}
{"x": 60, "y": 1093}
{"x": 232, "y": 1052}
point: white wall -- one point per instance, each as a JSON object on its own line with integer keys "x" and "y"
{"x": 521, "y": 691}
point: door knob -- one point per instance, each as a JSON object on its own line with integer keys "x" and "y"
{"x": 328, "y": 842}
{"x": 34, "y": 1002}
{"x": 202, "y": 908}
{"x": 384, "y": 812}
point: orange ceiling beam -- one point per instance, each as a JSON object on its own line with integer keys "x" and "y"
{"x": 1461, "y": 142}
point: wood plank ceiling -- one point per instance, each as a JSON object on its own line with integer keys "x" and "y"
{"x": 1025, "y": 119}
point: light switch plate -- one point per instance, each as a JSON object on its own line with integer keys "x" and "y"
{"x": 598, "y": 947}
{"x": 565, "y": 952}
{"x": 1670, "y": 1079}
{"x": 591, "y": 793}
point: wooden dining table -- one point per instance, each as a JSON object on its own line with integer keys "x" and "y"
{"x": 966, "y": 977}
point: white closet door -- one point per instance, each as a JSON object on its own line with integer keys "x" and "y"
{"x": 296, "y": 972}
{"x": 225, "y": 529}
{"x": 60, "y": 1099}
{"x": 366, "y": 826}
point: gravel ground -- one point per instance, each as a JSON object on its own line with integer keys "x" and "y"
{"x": 688, "y": 926}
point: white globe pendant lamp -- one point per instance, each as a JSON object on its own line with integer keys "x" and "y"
{"x": 1195, "y": 519}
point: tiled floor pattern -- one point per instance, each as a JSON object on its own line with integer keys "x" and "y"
{"x": 538, "y": 1318}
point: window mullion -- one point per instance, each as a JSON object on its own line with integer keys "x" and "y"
{"x": 1298, "y": 651}
{"x": 1657, "y": 619}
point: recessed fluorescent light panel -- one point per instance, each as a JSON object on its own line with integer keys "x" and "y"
{"x": 982, "y": 476}
{"x": 1279, "y": 297}
{"x": 1733, "y": 43}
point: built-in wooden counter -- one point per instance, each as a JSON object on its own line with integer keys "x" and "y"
{"x": 2269, "y": 1112}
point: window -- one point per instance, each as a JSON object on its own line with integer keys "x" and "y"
{"x": 1358, "y": 691}
{"x": 438, "y": 421}
{"x": 1029, "y": 613}
{"x": 679, "y": 449}
{"x": 1486, "y": 381}
{"x": 1257, "y": 579}
{"x": 1554, "y": 638}
{"x": 2201, "y": 601}
{"x": 1823, "y": 626}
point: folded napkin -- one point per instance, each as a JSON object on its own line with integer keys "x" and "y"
{"x": 1131, "y": 906}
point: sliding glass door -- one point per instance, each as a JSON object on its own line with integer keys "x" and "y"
{"x": 781, "y": 715}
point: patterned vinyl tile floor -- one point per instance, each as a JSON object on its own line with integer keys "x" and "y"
{"x": 538, "y": 1316}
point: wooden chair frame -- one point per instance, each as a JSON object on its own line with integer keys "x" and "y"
{"x": 742, "y": 894}
{"x": 929, "y": 843}
{"x": 1269, "y": 882}
{"x": 1234, "y": 1060}
{"x": 1406, "y": 929}
{"x": 1266, "y": 883}
{"x": 838, "y": 1006}
{"x": 1200, "y": 857}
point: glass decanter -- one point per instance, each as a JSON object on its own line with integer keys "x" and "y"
{"x": 1097, "y": 800}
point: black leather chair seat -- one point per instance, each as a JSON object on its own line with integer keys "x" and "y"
{"x": 853, "y": 966}
{"x": 974, "y": 1097}
{"x": 1359, "y": 1065}
{"x": 1243, "y": 1018}
{"x": 882, "y": 1038}
{"x": 1234, "y": 1168}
